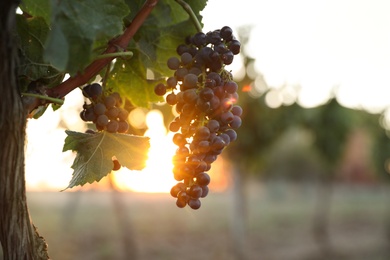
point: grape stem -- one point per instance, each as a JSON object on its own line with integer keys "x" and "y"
{"x": 121, "y": 42}
{"x": 51, "y": 99}
{"x": 191, "y": 13}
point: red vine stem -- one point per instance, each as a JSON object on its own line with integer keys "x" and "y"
{"x": 93, "y": 69}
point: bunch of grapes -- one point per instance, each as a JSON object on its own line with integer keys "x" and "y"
{"x": 105, "y": 111}
{"x": 204, "y": 95}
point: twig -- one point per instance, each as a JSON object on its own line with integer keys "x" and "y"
{"x": 191, "y": 13}
{"x": 115, "y": 55}
{"x": 51, "y": 99}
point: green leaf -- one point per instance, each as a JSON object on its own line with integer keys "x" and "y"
{"x": 76, "y": 26}
{"x": 32, "y": 34}
{"x": 95, "y": 151}
{"x": 153, "y": 44}
{"x": 37, "y": 8}
{"x": 128, "y": 77}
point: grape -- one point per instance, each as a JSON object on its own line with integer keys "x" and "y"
{"x": 102, "y": 120}
{"x": 186, "y": 58}
{"x": 216, "y": 77}
{"x": 232, "y": 134}
{"x": 194, "y": 203}
{"x": 182, "y": 48}
{"x": 202, "y": 133}
{"x": 181, "y": 73}
{"x": 99, "y": 109}
{"x": 227, "y": 117}
{"x": 90, "y": 131}
{"x": 179, "y": 139}
{"x": 235, "y": 47}
{"x": 205, "y": 191}
{"x": 123, "y": 126}
{"x": 236, "y": 122}
{"x": 183, "y": 196}
{"x": 171, "y": 82}
{"x": 92, "y": 90}
{"x": 181, "y": 203}
{"x": 109, "y": 101}
{"x": 204, "y": 95}
{"x": 237, "y": 110}
{"x": 231, "y": 87}
{"x": 123, "y": 114}
{"x": 195, "y": 191}
{"x": 112, "y": 126}
{"x": 174, "y": 126}
{"x": 213, "y": 125}
{"x": 203, "y": 179}
{"x": 190, "y": 80}
{"x": 202, "y": 106}
{"x": 177, "y": 188}
{"x": 171, "y": 99}
{"x": 117, "y": 98}
{"x": 220, "y": 48}
{"x": 218, "y": 143}
{"x": 226, "y": 104}
{"x": 199, "y": 39}
{"x": 227, "y": 57}
{"x": 226, "y": 32}
{"x": 160, "y": 89}
{"x": 112, "y": 113}
{"x": 195, "y": 70}
{"x": 190, "y": 96}
{"x": 173, "y": 63}
{"x": 116, "y": 166}
{"x": 82, "y": 116}
{"x": 203, "y": 146}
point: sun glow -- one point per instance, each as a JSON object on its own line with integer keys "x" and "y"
{"x": 49, "y": 169}
{"x": 157, "y": 175}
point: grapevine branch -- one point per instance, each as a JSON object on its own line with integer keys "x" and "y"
{"x": 118, "y": 44}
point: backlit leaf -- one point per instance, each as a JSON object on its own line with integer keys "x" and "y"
{"x": 95, "y": 152}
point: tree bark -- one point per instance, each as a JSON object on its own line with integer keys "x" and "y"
{"x": 18, "y": 236}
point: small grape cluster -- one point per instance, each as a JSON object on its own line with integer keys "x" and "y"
{"x": 104, "y": 111}
{"x": 204, "y": 95}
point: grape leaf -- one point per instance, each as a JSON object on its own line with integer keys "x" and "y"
{"x": 129, "y": 79}
{"x": 76, "y": 26}
{"x": 37, "y": 8}
{"x": 95, "y": 151}
{"x": 32, "y": 34}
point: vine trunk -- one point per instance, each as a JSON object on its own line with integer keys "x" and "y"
{"x": 18, "y": 236}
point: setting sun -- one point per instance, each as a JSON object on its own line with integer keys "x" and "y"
{"x": 48, "y": 168}
{"x": 157, "y": 175}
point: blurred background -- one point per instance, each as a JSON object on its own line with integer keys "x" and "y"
{"x": 307, "y": 177}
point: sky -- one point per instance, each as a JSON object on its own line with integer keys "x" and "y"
{"x": 319, "y": 45}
